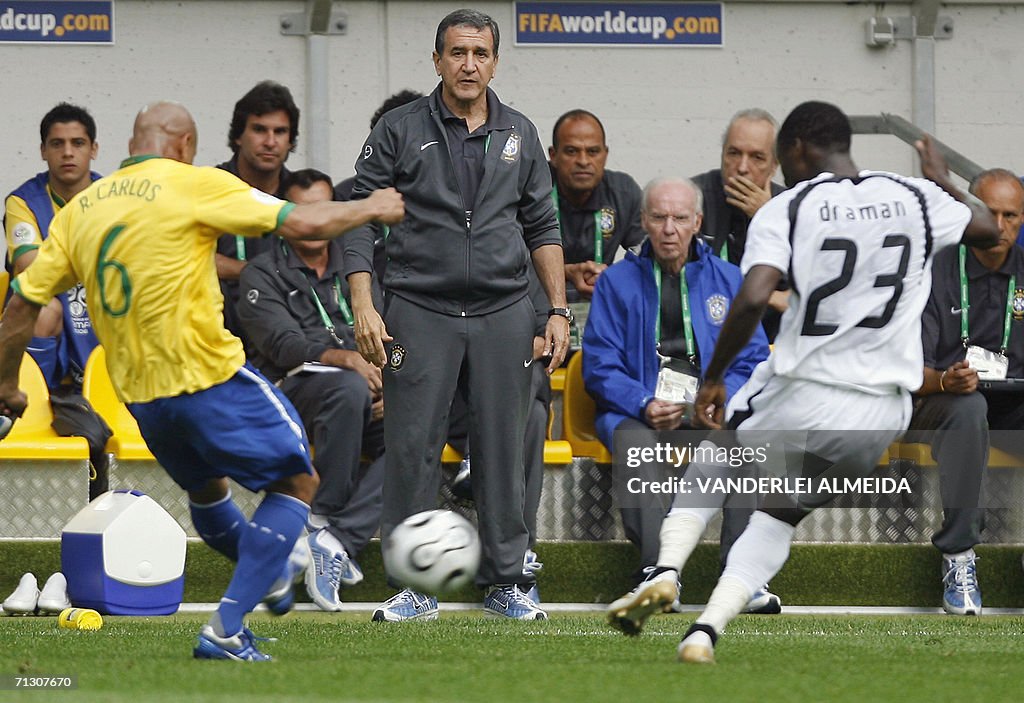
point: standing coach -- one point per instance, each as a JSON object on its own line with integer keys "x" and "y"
{"x": 478, "y": 209}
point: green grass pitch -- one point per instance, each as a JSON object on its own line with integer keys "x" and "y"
{"x": 572, "y": 657}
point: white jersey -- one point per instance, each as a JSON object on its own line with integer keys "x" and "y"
{"x": 858, "y": 253}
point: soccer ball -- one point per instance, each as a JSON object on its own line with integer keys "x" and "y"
{"x": 433, "y": 552}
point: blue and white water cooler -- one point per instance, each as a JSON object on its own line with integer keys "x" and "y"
{"x": 124, "y": 555}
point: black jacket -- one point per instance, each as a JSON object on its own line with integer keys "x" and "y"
{"x": 278, "y": 313}
{"x": 434, "y": 259}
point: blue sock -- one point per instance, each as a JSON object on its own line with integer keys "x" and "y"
{"x": 219, "y": 524}
{"x": 263, "y": 549}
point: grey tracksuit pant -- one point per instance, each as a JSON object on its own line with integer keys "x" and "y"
{"x": 494, "y": 354}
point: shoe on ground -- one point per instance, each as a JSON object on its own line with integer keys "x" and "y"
{"x": 531, "y": 566}
{"x": 280, "y": 598}
{"x": 698, "y": 645}
{"x": 656, "y": 594}
{"x": 241, "y": 647}
{"x": 695, "y": 653}
{"x": 329, "y": 569}
{"x": 961, "y": 592}
{"x": 54, "y": 596}
{"x": 508, "y": 601}
{"x": 406, "y": 605}
{"x": 25, "y": 597}
{"x": 763, "y": 602}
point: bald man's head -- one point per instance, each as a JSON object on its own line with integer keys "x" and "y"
{"x": 166, "y": 129}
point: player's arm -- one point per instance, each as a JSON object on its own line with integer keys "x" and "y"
{"x": 329, "y": 219}
{"x": 744, "y": 317}
{"x": 15, "y": 334}
{"x": 982, "y": 231}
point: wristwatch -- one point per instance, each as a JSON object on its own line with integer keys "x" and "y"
{"x": 562, "y": 312}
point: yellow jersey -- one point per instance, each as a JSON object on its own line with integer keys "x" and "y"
{"x": 142, "y": 241}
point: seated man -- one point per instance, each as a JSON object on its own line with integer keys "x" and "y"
{"x": 598, "y": 210}
{"x": 296, "y": 313}
{"x": 950, "y": 411}
{"x": 667, "y": 303}
{"x": 735, "y": 192}
{"x": 63, "y": 337}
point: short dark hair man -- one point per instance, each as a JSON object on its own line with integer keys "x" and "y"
{"x": 63, "y": 335}
{"x": 264, "y": 130}
{"x": 837, "y": 365}
{"x": 598, "y": 209}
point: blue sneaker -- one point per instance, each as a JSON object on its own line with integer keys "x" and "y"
{"x": 241, "y": 647}
{"x": 530, "y": 568}
{"x": 406, "y": 605}
{"x": 280, "y": 598}
{"x": 509, "y": 602}
{"x": 328, "y": 570}
{"x": 961, "y": 594}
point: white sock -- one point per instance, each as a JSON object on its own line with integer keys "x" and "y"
{"x": 758, "y": 554}
{"x": 681, "y": 530}
{"x": 726, "y": 602}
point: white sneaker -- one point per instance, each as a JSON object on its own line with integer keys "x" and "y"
{"x": 54, "y": 596}
{"x": 655, "y": 594}
{"x": 25, "y": 597}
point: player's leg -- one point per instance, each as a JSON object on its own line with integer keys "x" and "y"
{"x": 216, "y": 517}
{"x": 245, "y": 429}
{"x": 680, "y": 532}
{"x": 763, "y": 548}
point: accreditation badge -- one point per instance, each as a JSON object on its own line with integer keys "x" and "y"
{"x": 991, "y": 366}
{"x": 675, "y": 384}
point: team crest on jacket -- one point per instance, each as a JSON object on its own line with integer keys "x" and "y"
{"x": 1018, "y": 304}
{"x": 718, "y": 306}
{"x": 607, "y": 222}
{"x": 397, "y": 356}
{"x": 510, "y": 152}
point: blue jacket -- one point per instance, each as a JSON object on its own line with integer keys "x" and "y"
{"x": 620, "y": 361}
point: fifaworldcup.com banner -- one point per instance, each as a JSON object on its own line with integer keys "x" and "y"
{"x": 57, "y": 22}
{"x": 628, "y": 24}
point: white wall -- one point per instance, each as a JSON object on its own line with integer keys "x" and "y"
{"x": 664, "y": 109}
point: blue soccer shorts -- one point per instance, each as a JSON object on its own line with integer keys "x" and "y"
{"x": 244, "y": 428}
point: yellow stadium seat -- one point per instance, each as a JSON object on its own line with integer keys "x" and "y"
{"x": 578, "y": 412}
{"x": 32, "y": 436}
{"x": 558, "y": 380}
{"x": 921, "y": 454}
{"x": 127, "y": 442}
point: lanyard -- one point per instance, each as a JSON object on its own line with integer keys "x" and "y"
{"x": 684, "y": 297}
{"x": 598, "y": 238}
{"x": 240, "y": 246}
{"x": 342, "y": 305}
{"x": 965, "y": 304}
